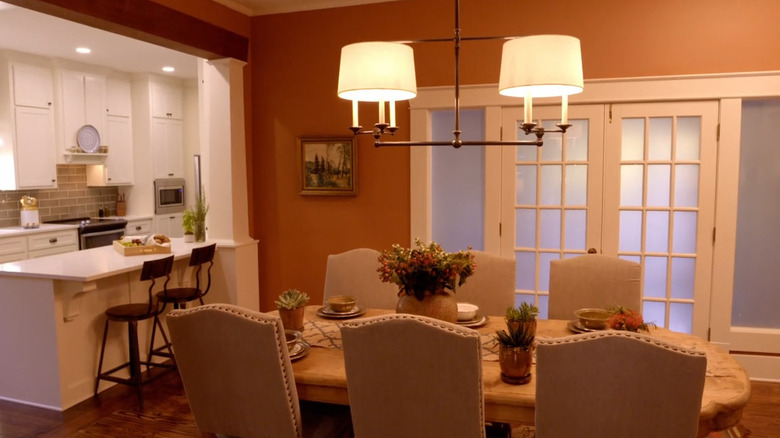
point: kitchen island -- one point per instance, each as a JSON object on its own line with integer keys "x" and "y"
{"x": 52, "y": 315}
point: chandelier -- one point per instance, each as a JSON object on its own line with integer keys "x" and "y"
{"x": 531, "y": 67}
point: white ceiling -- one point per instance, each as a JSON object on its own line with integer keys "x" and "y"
{"x": 28, "y": 31}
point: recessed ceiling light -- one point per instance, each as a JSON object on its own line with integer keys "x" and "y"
{"x": 84, "y": 50}
{"x": 168, "y": 69}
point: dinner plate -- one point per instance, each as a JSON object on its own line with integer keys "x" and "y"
{"x": 88, "y": 138}
{"x": 300, "y": 350}
{"x": 327, "y": 312}
{"x": 477, "y": 321}
{"x": 576, "y": 327}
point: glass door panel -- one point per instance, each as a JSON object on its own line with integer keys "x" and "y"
{"x": 661, "y": 212}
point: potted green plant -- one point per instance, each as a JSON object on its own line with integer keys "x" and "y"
{"x": 524, "y": 314}
{"x": 291, "y": 307}
{"x": 188, "y": 223}
{"x": 515, "y": 353}
{"x": 199, "y": 218}
{"x": 425, "y": 275}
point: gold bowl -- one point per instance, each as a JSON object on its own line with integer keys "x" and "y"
{"x": 594, "y": 319}
{"x": 292, "y": 337}
{"x": 342, "y": 303}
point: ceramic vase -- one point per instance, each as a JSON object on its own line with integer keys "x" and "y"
{"x": 441, "y": 306}
{"x": 292, "y": 319}
{"x": 515, "y": 363}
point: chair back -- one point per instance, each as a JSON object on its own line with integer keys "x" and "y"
{"x": 154, "y": 270}
{"x": 199, "y": 257}
{"x": 236, "y": 371}
{"x": 413, "y": 376}
{"x": 354, "y": 273}
{"x": 593, "y": 280}
{"x": 616, "y": 383}
{"x": 492, "y": 286}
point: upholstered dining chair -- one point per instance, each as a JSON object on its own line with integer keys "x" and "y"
{"x": 617, "y": 384}
{"x": 593, "y": 280}
{"x": 492, "y": 286}
{"x": 413, "y": 376}
{"x": 354, "y": 273}
{"x": 238, "y": 377}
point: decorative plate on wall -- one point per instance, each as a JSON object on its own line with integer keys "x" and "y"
{"x": 88, "y": 138}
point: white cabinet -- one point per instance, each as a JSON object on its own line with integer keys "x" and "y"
{"x": 169, "y": 224}
{"x": 138, "y": 226}
{"x": 83, "y": 103}
{"x": 168, "y": 148}
{"x": 118, "y": 167}
{"x": 32, "y": 85}
{"x": 36, "y": 162}
{"x": 13, "y": 248}
{"x": 118, "y": 100}
{"x": 167, "y": 101}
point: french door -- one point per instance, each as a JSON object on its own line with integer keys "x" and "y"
{"x": 635, "y": 181}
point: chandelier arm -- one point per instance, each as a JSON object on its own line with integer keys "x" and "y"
{"x": 463, "y": 143}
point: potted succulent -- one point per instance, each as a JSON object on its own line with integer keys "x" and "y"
{"x": 291, "y": 307}
{"x": 515, "y": 353}
{"x": 525, "y": 314}
{"x": 425, "y": 275}
{"x": 188, "y": 223}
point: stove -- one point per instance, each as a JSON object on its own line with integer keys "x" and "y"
{"x": 95, "y": 232}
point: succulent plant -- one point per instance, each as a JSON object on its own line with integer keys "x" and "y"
{"x": 523, "y": 313}
{"x": 292, "y": 299}
{"x": 522, "y": 336}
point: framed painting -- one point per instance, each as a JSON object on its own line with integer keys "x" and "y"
{"x": 328, "y": 166}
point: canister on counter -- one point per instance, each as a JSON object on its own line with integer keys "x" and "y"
{"x": 29, "y": 212}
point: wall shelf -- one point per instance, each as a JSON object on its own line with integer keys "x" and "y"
{"x": 85, "y": 158}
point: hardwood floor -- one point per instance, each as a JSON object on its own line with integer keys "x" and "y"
{"x": 166, "y": 414}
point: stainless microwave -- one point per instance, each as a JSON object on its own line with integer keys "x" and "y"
{"x": 168, "y": 195}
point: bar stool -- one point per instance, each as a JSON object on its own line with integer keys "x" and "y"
{"x": 180, "y": 296}
{"x": 132, "y": 314}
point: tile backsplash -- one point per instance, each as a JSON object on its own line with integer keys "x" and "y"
{"x": 71, "y": 199}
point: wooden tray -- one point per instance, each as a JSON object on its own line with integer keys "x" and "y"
{"x": 140, "y": 250}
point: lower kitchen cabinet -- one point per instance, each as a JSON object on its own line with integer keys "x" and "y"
{"x": 13, "y": 248}
{"x": 34, "y": 245}
{"x": 169, "y": 224}
{"x": 138, "y": 227}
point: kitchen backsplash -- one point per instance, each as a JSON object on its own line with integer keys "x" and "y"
{"x": 72, "y": 198}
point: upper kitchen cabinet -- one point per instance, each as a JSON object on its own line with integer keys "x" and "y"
{"x": 118, "y": 97}
{"x": 27, "y": 136}
{"x": 167, "y": 148}
{"x": 118, "y": 168}
{"x": 83, "y": 103}
{"x": 167, "y": 100}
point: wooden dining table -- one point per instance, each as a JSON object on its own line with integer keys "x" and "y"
{"x": 320, "y": 374}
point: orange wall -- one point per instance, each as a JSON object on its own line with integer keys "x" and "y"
{"x": 295, "y": 69}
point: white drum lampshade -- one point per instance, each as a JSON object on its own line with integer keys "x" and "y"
{"x": 544, "y": 65}
{"x": 376, "y": 72}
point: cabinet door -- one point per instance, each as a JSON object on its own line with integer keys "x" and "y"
{"x": 118, "y": 101}
{"x": 136, "y": 227}
{"x": 33, "y": 86}
{"x": 166, "y": 101}
{"x": 169, "y": 224}
{"x": 36, "y": 164}
{"x": 119, "y": 162}
{"x": 73, "y": 107}
{"x": 94, "y": 102}
{"x": 13, "y": 249}
{"x": 167, "y": 148}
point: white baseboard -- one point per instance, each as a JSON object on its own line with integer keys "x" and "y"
{"x": 760, "y": 368}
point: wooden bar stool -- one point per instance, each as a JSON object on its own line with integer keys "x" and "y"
{"x": 180, "y": 296}
{"x": 132, "y": 314}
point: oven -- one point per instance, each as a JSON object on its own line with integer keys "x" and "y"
{"x": 96, "y": 232}
{"x": 168, "y": 195}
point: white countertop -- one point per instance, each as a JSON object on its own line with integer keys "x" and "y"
{"x": 91, "y": 264}
{"x": 44, "y": 228}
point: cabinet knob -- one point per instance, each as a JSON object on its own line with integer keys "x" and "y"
{"x": 170, "y": 174}
{"x": 53, "y": 240}
{"x": 138, "y": 228}
{"x": 54, "y": 180}
{"x": 48, "y": 103}
{"x": 172, "y": 217}
{"x": 109, "y": 179}
{"x": 169, "y": 114}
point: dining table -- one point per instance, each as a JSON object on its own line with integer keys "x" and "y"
{"x": 320, "y": 373}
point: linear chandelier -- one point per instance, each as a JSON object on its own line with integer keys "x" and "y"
{"x": 531, "y": 66}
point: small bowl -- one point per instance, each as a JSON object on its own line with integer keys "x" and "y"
{"x": 292, "y": 337}
{"x": 594, "y": 319}
{"x": 342, "y": 303}
{"x": 467, "y": 311}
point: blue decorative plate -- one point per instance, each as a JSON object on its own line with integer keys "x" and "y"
{"x": 89, "y": 139}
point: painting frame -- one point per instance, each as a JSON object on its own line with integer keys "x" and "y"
{"x": 327, "y": 166}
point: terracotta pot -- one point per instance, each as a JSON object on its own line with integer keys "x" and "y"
{"x": 440, "y": 306}
{"x": 515, "y": 363}
{"x": 528, "y": 324}
{"x": 292, "y": 319}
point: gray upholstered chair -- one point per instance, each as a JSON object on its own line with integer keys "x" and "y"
{"x": 413, "y": 376}
{"x": 617, "y": 384}
{"x": 492, "y": 287}
{"x": 593, "y": 280}
{"x": 238, "y": 378}
{"x": 354, "y": 273}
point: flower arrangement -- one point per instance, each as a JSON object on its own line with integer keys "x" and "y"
{"x": 426, "y": 269}
{"x": 626, "y": 319}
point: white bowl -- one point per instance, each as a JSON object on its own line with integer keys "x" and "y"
{"x": 467, "y": 311}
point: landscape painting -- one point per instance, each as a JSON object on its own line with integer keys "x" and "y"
{"x": 327, "y": 166}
